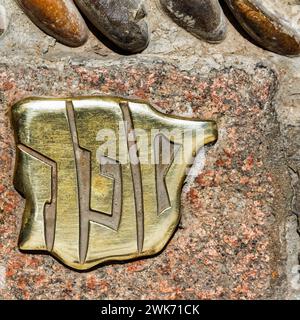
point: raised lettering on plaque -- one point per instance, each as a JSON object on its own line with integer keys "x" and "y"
{"x": 102, "y": 177}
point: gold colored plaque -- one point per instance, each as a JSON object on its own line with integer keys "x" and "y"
{"x": 102, "y": 177}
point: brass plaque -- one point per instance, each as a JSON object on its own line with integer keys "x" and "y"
{"x": 102, "y": 177}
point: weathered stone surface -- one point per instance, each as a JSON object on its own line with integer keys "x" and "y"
{"x": 58, "y": 18}
{"x": 203, "y": 18}
{"x": 228, "y": 243}
{"x": 121, "y": 21}
{"x": 274, "y": 25}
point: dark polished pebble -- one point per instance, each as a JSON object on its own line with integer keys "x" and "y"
{"x": 203, "y": 18}
{"x": 121, "y": 21}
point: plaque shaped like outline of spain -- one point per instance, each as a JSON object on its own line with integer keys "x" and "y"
{"x": 83, "y": 205}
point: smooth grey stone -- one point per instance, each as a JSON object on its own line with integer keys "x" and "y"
{"x": 203, "y": 18}
{"x": 120, "y": 21}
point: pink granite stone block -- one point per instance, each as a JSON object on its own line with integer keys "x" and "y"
{"x": 228, "y": 242}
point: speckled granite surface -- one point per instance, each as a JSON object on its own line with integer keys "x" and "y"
{"x": 229, "y": 242}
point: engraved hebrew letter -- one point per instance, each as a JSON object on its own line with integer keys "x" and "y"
{"x": 50, "y": 207}
{"x": 136, "y": 174}
{"x": 165, "y": 152}
{"x": 109, "y": 168}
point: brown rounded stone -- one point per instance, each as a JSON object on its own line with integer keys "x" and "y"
{"x": 122, "y": 22}
{"x": 272, "y": 24}
{"x": 58, "y": 18}
{"x": 203, "y": 18}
